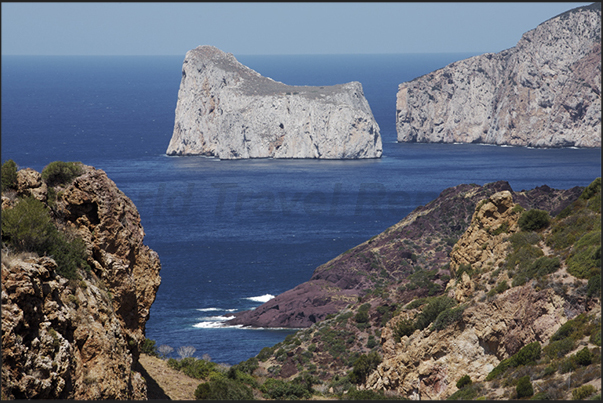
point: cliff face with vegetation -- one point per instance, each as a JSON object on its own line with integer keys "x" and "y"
{"x": 484, "y": 292}
{"x": 77, "y": 285}
{"x": 229, "y": 111}
{"x": 544, "y": 92}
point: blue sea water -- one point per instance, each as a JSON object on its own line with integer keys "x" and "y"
{"x": 230, "y": 234}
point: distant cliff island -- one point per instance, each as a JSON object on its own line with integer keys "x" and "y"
{"x": 544, "y": 92}
{"x": 230, "y": 111}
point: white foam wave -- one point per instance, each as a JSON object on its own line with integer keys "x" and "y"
{"x": 261, "y": 298}
{"x": 214, "y": 325}
{"x": 215, "y": 309}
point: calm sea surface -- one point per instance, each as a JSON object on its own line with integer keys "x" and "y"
{"x": 231, "y": 234}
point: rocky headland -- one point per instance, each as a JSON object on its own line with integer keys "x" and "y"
{"x": 483, "y": 284}
{"x": 544, "y": 92}
{"x": 230, "y": 111}
{"x": 424, "y": 239}
{"x": 77, "y": 286}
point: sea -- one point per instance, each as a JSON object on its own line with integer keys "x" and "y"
{"x": 233, "y": 234}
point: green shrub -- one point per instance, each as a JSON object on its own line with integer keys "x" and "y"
{"x": 28, "y": 227}
{"x": 501, "y": 287}
{"x": 468, "y": 393}
{"x": 282, "y": 390}
{"x": 584, "y": 357}
{"x": 464, "y": 381}
{"x": 223, "y": 388}
{"x": 524, "y": 387}
{"x": 559, "y": 348}
{"x": 405, "y": 327}
{"x": 592, "y": 189}
{"x": 193, "y": 367}
{"x": 265, "y": 353}
{"x": 583, "y": 392}
{"x": 594, "y": 286}
{"x": 361, "y": 317}
{"x": 534, "y": 220}
{"x": 363, "y": 366}
{"x": 148, "y": 347}
{"x": 448, "y": 317}
{"x": 247, "y": 366}
{"x": 527, "y": 355}
{"x": 585, "y": 258}
{"x": 59, "y": 172}
{"x": 371, "y": 342}
{"x": 9, "y": 175}
{"x": 431, "y": 311}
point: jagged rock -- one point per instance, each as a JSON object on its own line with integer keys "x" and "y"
{"x": 479, "y": 246}
{"x": 544, "y": 92}
{"x": 78, "y": 339}
{"x": 229, "y": 111}
{"x": 29, "y": 183}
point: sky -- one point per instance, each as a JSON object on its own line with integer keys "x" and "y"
{"x": 268, "y": 28}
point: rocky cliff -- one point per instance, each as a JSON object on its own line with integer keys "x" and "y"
{"x": 544, "y": 92}
{"x": 503, "y": 309}
{"x": 75, "y": 335}
{"x": 229, "y": 111}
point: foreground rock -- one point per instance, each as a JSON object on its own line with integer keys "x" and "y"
{"x": 229, "y": 111}
{"x": 544, "y": 92}
{"x": 392, "y": 256}
{"x": 79, "y": 339}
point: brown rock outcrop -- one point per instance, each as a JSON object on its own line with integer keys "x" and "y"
{"x": 78, "y": 339}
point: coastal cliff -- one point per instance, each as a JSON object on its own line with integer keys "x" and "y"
{"x": 76, "y": 289}
{"x": 229, "y": 111}
{"x": 483, "y": 293}
{"x": 544, "y": 92}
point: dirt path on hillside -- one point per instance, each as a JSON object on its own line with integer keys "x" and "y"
{"x": 164, "y": 382}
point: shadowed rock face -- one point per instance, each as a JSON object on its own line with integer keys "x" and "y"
{"x": 544, "y": 92}
{"x": 78, "y": 339}
{"x": 229, "y": 111}
{"x": 429, "y": 232}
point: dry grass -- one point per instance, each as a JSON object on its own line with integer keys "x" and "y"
{"x": 164, "y": 382}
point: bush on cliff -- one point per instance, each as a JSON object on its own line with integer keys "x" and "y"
{"x": 9, "y": 175}
{"x": 524, "y": 387}
{"x": 28, "y": 227}
{"x": 527, "y": 355}
{"x": 363, "y": 366}
{"x": 59, "y": 172}
{"x": 223, "y": 388}
{"x": 431, "y": 311}
{"x": 534, "y": 220}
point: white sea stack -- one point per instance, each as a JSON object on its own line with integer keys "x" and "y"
{"x": 230, "y": 111}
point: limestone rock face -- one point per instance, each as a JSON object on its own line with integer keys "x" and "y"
{"x": 427, "y": 364}
{"x": 544, "y": 92}
{"x": 78, "y": 339}
{"x": 229, "y": 111}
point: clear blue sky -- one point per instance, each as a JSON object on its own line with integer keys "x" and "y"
{"x": 268, "y": 28}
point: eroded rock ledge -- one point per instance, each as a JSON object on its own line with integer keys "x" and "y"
{"x": 544, "y": 92}
{"x": 78, "y": 338}
{"x": 229, "y": 111}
